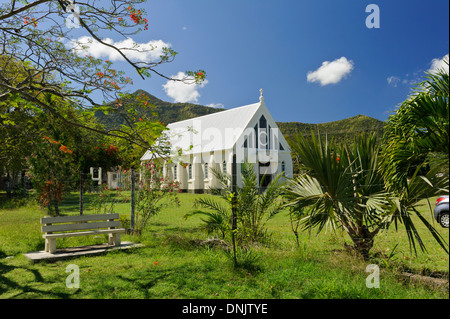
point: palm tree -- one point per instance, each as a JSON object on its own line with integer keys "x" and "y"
{"x": 343, "y": 187}
{"x": 418, "y": 128}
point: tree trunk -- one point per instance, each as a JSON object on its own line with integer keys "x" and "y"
{"x": 23, "y": 182}
{"x": 53, "y": 202}
{"x": 295, "y": 229}
{"x": 8, "y": 185}
{"x": 56, "y": 205}
{"x": 363, "y": 243}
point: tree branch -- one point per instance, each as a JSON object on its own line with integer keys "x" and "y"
{"x": 19, "y": 10}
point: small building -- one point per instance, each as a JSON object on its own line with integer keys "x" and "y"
{"x": 243, "y": 134}
{"x": 113, "y": 179}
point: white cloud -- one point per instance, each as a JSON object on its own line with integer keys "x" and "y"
{"x": 393, "y": 80}
{"x": 216, "y": 105}
{"x": 183, "y": 92}
{"x": 331, "y": 72}
{"x": 137, "y": 52}
{"x": 437, "y": 64}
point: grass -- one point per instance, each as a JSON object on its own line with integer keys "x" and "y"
{"x": 173, "y": 265}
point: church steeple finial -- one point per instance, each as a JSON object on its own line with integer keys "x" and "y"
{"x": 261, "y": 97}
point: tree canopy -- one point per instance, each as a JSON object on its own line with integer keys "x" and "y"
{"x": 418, "y": 128}
{"x": 38, "y": 40}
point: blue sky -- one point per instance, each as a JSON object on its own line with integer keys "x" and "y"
{"x": 245, "y": 45}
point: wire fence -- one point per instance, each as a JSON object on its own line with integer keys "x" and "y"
{"x": 122, "y": 189}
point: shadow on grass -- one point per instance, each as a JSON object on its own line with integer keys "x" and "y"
{"x": 7, "y": 284}
{"x": 147, "y": 281}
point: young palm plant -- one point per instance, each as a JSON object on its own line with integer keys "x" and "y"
{"x": 254, "y": 208}
{"x": 343, "y": 187}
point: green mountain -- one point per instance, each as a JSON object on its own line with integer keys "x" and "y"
{"x": 343, "y": 131}
{"x": 166, "y": 112}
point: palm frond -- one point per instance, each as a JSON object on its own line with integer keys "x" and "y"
{"x": 214, "y": 221}
{"x": 224, "y": 178}
{"x": 418, "y": 187}
{"x": 210, "y": 202}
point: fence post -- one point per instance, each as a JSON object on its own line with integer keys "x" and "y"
{"x": 132, "y": 199}
{"x": 81, "y": 192}
{"x": 234, "y": 205}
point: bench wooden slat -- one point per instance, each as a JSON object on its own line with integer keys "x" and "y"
{"x": 82, "y": 226}
{"x": 85, "y": 233}
{"x": 71, "y": 226}
{"x": 77, "y": 218}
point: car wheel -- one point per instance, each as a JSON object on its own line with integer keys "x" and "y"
{"x": 443, "y": 220}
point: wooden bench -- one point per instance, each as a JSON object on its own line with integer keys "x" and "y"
{"x": 80, "y": 225}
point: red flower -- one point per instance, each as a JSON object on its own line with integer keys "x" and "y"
{"x": 112, "y": 149}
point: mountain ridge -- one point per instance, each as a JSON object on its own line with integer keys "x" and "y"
{"x": 342, "y": 130}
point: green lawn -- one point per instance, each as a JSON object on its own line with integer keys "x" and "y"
{"x": 172, "y": 264}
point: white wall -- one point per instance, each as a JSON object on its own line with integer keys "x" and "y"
{"x": 200, "y": 182}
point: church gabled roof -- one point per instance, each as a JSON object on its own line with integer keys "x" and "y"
{"x": 213, "y": 132}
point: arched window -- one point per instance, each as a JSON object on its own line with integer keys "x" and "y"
{"x": 175, "y": 171}
{"x": 190, "y": 171}
{"x": 283, "y": 168}
{"x": 262, "y": 122}
{"x": 206, "y": 170}
{"x": 224, "y": 167}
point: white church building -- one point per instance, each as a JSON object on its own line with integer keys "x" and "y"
{"x": 243, "y": 134}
